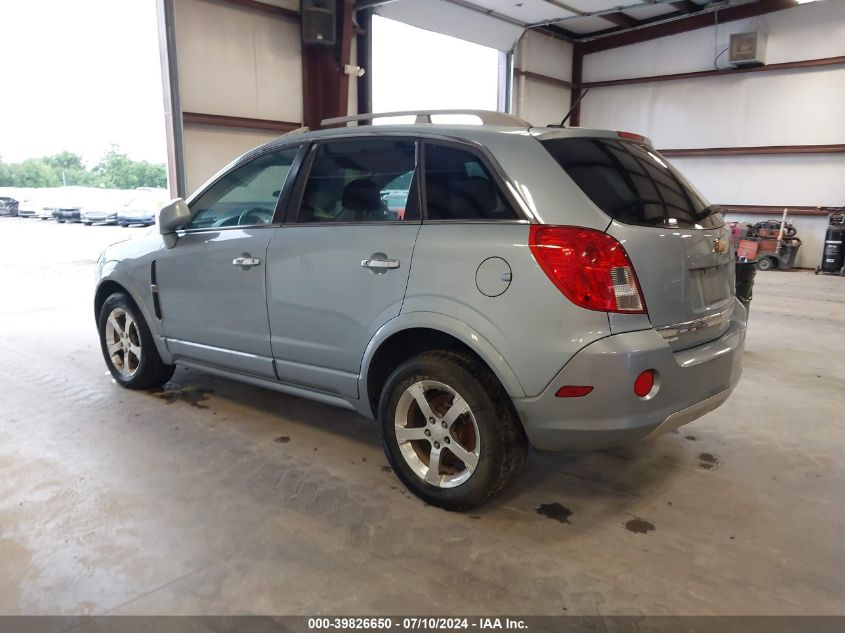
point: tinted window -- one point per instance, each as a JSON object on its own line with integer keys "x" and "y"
{"x": 246, "y": 196}
{"x": 368, "y": 180}
{"x": 632, "y": 183}
{"x": 458, "y": 186}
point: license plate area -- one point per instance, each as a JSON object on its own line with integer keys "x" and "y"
{"x": 712, "y": 284}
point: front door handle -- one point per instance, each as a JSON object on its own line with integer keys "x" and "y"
{"x": 246, "y": 262}
{"x": 380, "y": 264}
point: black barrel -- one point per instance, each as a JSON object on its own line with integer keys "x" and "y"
{"x": 745, "y": 272}
{"x": 833, "y": 257}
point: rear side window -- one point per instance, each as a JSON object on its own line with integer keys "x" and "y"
{"x": 458, "y": 186}
{"x": 632, "y": 183}
{"x": 367, "y": 180}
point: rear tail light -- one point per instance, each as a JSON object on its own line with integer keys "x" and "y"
{"x": 589, "y": 267}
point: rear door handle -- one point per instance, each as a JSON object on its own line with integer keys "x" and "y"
{"x": 380, "y": 264}
{"x": 246, "y": 261}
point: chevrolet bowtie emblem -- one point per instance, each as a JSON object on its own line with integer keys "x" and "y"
{"x": 720, "y": 246}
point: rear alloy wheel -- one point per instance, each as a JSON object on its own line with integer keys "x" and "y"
{"x": 128, "y": 347}
{"x": 449, "y": 430}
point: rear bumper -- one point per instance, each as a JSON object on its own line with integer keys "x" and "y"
{"x": 690, "y": 384}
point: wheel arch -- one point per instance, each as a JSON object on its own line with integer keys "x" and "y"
{"x": 415, "y": 333}
{"x": 104, "y": 290}
{"x": 108, "y": 287}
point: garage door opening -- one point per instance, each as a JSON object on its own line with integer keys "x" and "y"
{"x": 415, "y": 69}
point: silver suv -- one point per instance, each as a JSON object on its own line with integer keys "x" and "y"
{"x": 566, "y": 288}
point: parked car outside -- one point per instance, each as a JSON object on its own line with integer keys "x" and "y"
{"x": 564, "y": 288}
{"x": 8, "y": 206}
{"x": 64, "y": 214}
{"x": 396, "y": 201}
{"x": 45, "y": 213}
{"x": 101, "y": 207}
{"x": 142, "y": 208}
{"x": 29, "y": 207}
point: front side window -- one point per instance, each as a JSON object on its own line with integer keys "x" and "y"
{"x": 247, "y": 195}
{"x": 458, "y": 186}
{"x": 367, "y": 180}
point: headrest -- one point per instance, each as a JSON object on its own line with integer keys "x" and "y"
{"x": 361, "y": 195}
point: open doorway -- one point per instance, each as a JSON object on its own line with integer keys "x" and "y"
{"x": 414, "y": 69}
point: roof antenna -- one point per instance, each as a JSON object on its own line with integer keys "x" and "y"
{"x": 574, "y": 105}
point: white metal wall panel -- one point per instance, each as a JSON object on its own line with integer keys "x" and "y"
{"x": 541, "y": 103}
{"x": 769, "y": 180}
{"x": 545, "y": 55}
{"x": 209, "y": 149}
{"x": 537, "y": 101}
{"x": 795, "y": 107}
{"x": 238, "y": 62}
{"x": 808, "y": 31}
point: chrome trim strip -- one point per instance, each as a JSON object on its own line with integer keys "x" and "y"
{"x": 672, "y": 331}
{"x": 216, "y": 349}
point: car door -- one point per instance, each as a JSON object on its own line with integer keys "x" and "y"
{"x": 337, "y": 271}
{"x": 212, "y": 282}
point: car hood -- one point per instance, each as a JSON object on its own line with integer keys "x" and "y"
{"x": 143, "y": 243}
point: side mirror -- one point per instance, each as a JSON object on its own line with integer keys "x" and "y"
{"x": 174, "y": 215}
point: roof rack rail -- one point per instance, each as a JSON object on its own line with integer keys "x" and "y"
{"x": 487, "y": 117}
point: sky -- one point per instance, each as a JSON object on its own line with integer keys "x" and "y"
{"x": 418, "y": 69}
{"x": 80, "y": 75}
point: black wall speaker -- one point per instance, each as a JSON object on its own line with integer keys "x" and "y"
{"x": 319, "y": 21}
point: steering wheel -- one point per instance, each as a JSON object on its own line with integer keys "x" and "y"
{"x": 255, "y": 215}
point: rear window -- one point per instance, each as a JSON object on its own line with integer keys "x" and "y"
{"x": 459, "y": 187}
{"x": 632, "y": 183}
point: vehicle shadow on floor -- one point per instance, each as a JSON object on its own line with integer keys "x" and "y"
{"x": 613, "y": 479}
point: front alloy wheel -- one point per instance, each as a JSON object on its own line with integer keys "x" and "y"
{"x": 128, "y": 347}
{"x": 123, "y": 342}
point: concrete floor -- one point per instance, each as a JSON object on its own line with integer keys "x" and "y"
{"x": 217, "y": 498}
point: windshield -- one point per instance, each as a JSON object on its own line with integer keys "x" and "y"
{"x": 632, "y": 183}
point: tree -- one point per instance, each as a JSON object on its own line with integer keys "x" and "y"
{"x": 69, "y": 168}
{"x": 117, "y": 170}
{"x": 6, "y": 176}
{"x": 34, "y": 172}
{"x": 65, "y": 160}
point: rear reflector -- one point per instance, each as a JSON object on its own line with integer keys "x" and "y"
{"x": 573, "y": 391}
{"x": 589, "y": 267}
{"x": 644, "y": 383}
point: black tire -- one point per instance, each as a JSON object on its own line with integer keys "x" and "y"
{"x": 817, "y": 270}
{"x": 87, "y": 223}
{"x": 150, "y": 371}
{"x": 765, "y": 263}
{"x": 503, "y": 444}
